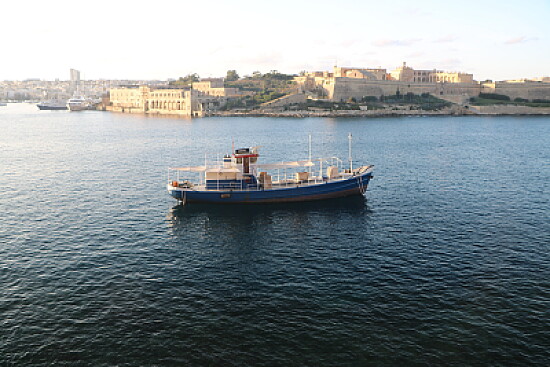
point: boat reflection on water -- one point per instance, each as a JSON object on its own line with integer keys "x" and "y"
{"x": 256, "y": 221}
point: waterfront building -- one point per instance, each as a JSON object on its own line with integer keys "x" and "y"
{"x": 405, "y": 73}
{"x": 38, "y": 90}
{"x": 346, "y": 83}
{"x": 198, "y": 100}
{"x": 214, "y": 87}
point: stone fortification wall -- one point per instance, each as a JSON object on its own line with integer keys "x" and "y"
{"x": 345, "y": 88}
{"x": 509, "y": 110}
{"x": 286, "y": 100}
{"x": 526, "y": 90}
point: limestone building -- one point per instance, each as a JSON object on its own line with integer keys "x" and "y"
{"x": 405, "y": 73}
{"x": 360, "y": 73}
{"x": 198, "y": 100}
{"x": 346, "y": 82}
{"x": 215, "y": 87}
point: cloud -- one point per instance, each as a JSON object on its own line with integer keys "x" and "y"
{"x": 451, "y": 61}
{"x": 389, "y": 42}
{"x": 449, "y": 64}
{"x": 520, "y": 39}
{"x": 415, "y": 12}
{"x": 416, "y": 54}
{"x": 446, "y": 39}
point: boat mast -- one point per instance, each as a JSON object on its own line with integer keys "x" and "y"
{"x": 349, "y": 149}
{"x": 309, "y": 153}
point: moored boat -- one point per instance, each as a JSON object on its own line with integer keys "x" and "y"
{"x": 76, "y": 104}
{"x": 81, "y": 104}
{"x": 52, "y": 105}
{"x": 240, "y": 179}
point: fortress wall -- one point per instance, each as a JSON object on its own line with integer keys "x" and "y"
{"x": 345, "y": 88}
{"x": 287, "y": 100}
{"x": 528, "y": 90}
{"x": 510, "y": 110}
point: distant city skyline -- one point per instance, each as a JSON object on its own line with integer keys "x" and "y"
{"x": 124, "y": 40}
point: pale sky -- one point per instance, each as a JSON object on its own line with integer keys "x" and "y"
{"x": 120, "y": 39}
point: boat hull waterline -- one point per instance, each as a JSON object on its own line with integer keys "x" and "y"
{"x": 52, "y": 108}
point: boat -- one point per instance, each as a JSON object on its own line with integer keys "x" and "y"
{"x": 52, "y": 105}
{"x": 240, "y": 179}
{"x": 80, "y": 104}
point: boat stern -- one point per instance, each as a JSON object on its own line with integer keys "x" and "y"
{"x": 175, "y": 191}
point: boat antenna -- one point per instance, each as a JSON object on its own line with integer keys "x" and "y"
{"x": 350, "y": 158}
{"x": 232, "y": 145}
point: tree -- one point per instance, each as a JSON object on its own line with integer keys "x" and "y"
{"x": 231, "y": 76}
{"x": 187, "y": 80}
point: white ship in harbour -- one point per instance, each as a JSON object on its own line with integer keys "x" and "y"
{"x": 80, "y": 104}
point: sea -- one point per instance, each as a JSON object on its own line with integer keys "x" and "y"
{"x": 444, "y": 262}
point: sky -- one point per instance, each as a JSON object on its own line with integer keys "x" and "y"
{"x": 120, "y": 39}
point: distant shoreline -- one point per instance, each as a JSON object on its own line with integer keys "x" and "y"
{"x": 377, "y": 113}
{"x": 453, "y": 111}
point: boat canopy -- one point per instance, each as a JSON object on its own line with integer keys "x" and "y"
{"x": 206, "y": 169}
{"x": 290, "y": 164}
{"x": 190, "y": 169}
{"x": 265, "y": 166}
{"x": 224, "y": 170}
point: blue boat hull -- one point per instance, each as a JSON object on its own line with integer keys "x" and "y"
{"x": 353, "y": 186}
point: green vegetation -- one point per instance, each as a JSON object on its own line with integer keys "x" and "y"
{"x": 538, "y": 104}
{"x": 231, "y": 76}
{"x": 260, "y": 88}
{"x": 490, "y": 99}
{"x": 495, "y": 96}
{"x": 410, "y": 101}
{"x": 322, "y": 105}
{"x": 252, "y": 100}
{"x": 424, "y": 101}
{"x": 259, "y": 82}
{"x": 369, "y": 99}
{"x": 477, "y": 101}
{"x": 186, "y": 80}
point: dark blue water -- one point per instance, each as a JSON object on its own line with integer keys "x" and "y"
{"x": 446, "y": 262}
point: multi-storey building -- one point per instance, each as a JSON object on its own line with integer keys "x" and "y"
{"x": 199, "y": 100}
{"x": 405, "y": 73}
{"x": 345, "y": 82}
{"x": 214, "y": 87}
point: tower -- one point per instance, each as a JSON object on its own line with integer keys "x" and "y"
{"x": 75, "y": 76}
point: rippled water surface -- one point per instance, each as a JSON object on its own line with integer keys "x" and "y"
{"x": 446, "y": 262}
